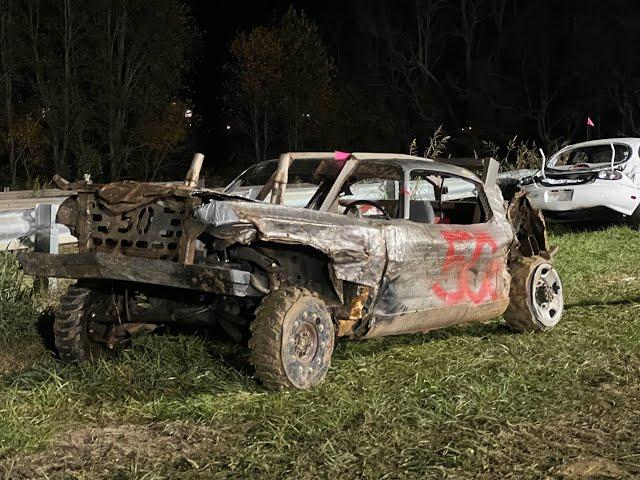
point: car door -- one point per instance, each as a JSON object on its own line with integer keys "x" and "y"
{"x": 447, "y": 269}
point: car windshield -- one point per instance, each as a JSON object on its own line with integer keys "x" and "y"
{"x": 303, "y": 181}
{"x": 589, "y": 157}
{"x": 254, "y": 176}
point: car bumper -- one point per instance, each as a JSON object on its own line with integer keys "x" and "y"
{"x": 596, "y": 214}
{"x": 214, "y": 279}
{"x": 601, "y": 194}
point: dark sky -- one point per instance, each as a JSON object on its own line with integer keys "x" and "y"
{"x": 591, "y": 44}
{"x": 219, "y": 22}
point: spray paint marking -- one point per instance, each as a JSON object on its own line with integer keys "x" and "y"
{"x": 461, "y": 259}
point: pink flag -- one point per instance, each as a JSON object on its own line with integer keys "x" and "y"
{"x": 590, "y": 122}
{"x": 342, "y": 156}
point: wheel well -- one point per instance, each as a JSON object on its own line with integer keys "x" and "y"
{"x": 299, "y": 266}
{"x": 529, "y": 228}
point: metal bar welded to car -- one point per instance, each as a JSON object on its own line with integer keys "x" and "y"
{"x": 97, "y": 265}
{"x": 332, "y": 196}
{"x": 281, "y": 175}
{"x": 490, "y": 172}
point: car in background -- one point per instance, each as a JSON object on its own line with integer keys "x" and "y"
{"x": 589, "y": 181}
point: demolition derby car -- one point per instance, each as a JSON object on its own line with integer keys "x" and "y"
{"x": 382, "y": 247}
{"x": 596, "y": 180}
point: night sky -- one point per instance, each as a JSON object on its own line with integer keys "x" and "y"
{"x": 583, "y": 42}
{"x": 219, "y": 22}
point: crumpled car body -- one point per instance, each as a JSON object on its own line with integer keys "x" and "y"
{"x": 385, "y": 244}
{"x": 379, "y": 274}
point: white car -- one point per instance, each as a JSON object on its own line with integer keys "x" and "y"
{"x": 596, "y": 180}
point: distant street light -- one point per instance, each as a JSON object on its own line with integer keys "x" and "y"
{"x": 188, "y": 114}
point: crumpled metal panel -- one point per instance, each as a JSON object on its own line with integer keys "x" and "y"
{"x": 444, "y": 266}
{"x": 438, "y": 317}
{"x": 355, "y": 247}
{"x": 429, "y": 275}
{"x": 128, "y": 195}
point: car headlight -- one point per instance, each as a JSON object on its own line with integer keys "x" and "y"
{"x": 609, "y": 175}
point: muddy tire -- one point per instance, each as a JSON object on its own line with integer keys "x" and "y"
{"x": 292, "y": 338}
{"x": 70, "y": 327}
{"x": 536, "y": 296}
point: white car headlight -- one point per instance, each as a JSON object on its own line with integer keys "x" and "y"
{"x": 609, "y": 175}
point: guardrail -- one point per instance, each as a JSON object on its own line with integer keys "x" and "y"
{"x": 33, "y": 228}
{"x": 27, "y": 220}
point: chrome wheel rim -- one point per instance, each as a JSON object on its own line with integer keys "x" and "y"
{"x": 546, "y": 295}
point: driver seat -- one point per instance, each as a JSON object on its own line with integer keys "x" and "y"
{"x": 421, "y": 211}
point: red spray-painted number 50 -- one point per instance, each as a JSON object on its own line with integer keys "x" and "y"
{"x": 464, "y": 251}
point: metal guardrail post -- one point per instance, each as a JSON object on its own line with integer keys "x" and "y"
{"x": 46, "y": 235}
{"x": 46, "y": 231}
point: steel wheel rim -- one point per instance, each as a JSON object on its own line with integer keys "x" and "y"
{"x": 546, "y": 295}
{"x": 305, "y": 339}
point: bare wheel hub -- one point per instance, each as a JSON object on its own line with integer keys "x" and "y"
{"x": 305, "y": 339}
{"x": 546, "y": 295}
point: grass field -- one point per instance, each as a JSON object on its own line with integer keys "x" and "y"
{"x": 468, "y": 402}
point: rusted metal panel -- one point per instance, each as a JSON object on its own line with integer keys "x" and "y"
{"x": 215, "y": 279}
{"x": 152, "y": 230}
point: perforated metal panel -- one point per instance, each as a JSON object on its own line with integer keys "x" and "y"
{"x": 152, "y": 231}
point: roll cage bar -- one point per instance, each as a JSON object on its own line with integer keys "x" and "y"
{"x": 277, "y": 184}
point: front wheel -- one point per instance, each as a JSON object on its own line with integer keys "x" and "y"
{"x": 76, "y": 333}
{"x": 292, "y": 338}
{"x": 536, "y": 296}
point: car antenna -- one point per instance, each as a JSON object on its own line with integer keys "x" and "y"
{"x": 613, "y": 154}
{"x": 544, "y": 161}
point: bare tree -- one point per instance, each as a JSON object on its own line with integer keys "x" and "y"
{"x": 56, "y": 83}
{"x": 541, "y": 94}
{"x": 7, "y": 62}
{"x": 255, "y": 87}
{"x": 413, "y": 60}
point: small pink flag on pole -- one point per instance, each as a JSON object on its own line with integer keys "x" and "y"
{"x": 590, "y": 122}
{"x": 341, "y": 157}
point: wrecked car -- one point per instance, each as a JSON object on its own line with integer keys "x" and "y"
{"x": 595, "y": 180}
{"x": 381, "y": 248}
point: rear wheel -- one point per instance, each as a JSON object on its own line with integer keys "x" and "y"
{"x": 292, "y": 339}
{"x": 75, "y": 331}
{"x": 536, "y": 296}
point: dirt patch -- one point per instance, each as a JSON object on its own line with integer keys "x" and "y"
{"x": 93, "y": 452}
{"x": 15, "y": 358}
{"x": 587, "y": 468}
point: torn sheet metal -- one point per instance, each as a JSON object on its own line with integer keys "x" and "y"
{"x": 355, "y": 247}
{"x": 437, "y": 273}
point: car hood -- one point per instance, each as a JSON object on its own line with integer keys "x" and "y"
{"x": 356, "y": 247}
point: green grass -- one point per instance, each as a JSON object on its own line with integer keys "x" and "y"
{"x": 466, "y": 402}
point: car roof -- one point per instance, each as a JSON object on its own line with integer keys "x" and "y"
{"x": 633, "y": 141}
{"x": 406, "y": 162}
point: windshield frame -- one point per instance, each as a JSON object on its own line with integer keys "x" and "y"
{"x": 550, "y": 164}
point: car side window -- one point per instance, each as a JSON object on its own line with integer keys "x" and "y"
{"x": 374, "y": 191}
{"x": 440, "y": 198}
